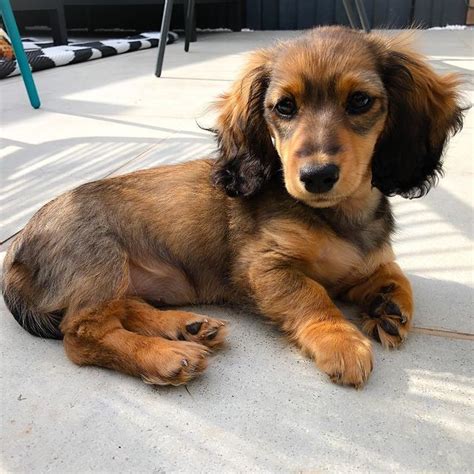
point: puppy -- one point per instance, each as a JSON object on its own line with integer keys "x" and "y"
{"x": 311, "y": 138}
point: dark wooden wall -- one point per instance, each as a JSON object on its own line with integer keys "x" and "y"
{"x": 301, "y": 14}
{"x": 260, "y": 14}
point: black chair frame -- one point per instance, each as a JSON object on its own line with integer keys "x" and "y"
{"x": 189, "y": 22}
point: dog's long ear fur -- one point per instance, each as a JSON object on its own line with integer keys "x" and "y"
{"x": 246, "y": 156}
{"x": 423, "y": 111}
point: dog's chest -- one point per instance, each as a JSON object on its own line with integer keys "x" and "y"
{"x": 334, "y": 260}
{"x": 338, "y": 261}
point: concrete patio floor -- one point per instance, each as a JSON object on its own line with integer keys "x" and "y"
{"x": 261, "y": 405}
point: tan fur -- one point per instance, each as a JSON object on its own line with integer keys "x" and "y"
{"x": 127, "y": 335}
{"x": 87, "y": 261}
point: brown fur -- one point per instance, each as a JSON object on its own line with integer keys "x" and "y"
{"x": 243, "y": 229}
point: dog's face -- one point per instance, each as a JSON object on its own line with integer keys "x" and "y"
{"x": 325, "y": 108}
{"x": 335, "y": 110}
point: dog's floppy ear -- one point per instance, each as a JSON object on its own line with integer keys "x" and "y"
{"x": 246, "y": 156}
{"x": 423, "y": 111}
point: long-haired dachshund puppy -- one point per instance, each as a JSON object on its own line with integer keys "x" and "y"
{"x": 312, "y": 137}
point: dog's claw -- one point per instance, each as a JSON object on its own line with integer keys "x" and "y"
{"x": 212, "y": 335}
{"x": 375, "y": 334}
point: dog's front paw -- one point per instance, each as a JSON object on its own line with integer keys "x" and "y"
{"x": 342, "y": 351}
{"x": 386, "y": 319}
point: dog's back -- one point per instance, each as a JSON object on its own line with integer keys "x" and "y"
{"x": 117, "y": 237}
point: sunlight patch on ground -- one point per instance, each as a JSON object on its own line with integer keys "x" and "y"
{"x": 8, "y": 150}
{"x": 455, "y": 391}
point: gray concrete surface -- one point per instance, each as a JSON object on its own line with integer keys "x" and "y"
{"x": 261, "y": 406}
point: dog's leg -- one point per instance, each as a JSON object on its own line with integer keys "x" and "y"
{"x": 99, "y": 336}
{"x": 386, "y": 298}
{"x": 307, "y": 314}
{"x": 172, "y": 324}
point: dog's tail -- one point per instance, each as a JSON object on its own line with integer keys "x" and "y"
{"x": 35, "y": 322}
{"x": 25, "y": 304}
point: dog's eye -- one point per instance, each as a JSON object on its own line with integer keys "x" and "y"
{"x": 359, "y": 102}
{"x": 286, "y": 108}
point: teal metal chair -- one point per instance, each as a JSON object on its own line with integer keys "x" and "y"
{"x": 12, "y": 30}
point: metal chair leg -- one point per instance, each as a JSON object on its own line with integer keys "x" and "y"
{"x": 194, "y": 33}
{"x": 350, "y": 13}
{"x": 57, "y": 21}
{"x": 362, "y": 15}
{"x": 12, "y": 30}
{"x": 165, "y": 27}
{"x": 189, "y": 23}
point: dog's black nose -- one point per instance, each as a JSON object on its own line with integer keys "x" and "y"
{"x": 319, "y": 179}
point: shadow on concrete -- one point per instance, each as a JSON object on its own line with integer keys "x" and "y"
{"x": 260, "y": 405}
{"x": 34, "y": 174}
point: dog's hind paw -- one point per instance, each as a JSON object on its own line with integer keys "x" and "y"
{"x": 175, "y": 364}
{"x": 204, "y": 330}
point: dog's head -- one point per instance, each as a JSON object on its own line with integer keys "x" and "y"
{"x": 335, "y": 109}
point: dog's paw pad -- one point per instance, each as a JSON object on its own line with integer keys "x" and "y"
{"x": 382, "y": 305}
{"x": 389, "y": 327}
{"x": 194, "y": 328}
{"x": 208, "y": 331}
{"x": 385, "y": 329}
{"x": 384, "y": 320}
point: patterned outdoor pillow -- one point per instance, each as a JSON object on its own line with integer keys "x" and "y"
{"x": 44, "y": 55}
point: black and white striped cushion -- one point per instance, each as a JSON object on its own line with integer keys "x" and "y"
{"x": 44, "y": 55}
